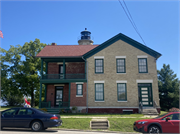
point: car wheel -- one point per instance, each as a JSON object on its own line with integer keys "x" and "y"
{"x": 36, "y": 126}
{"x": 154, "y": 129}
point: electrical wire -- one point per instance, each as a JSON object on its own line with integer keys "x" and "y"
{"x": 131, "y": 19}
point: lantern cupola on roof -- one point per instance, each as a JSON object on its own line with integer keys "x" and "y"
{"x": 85, "y": 38}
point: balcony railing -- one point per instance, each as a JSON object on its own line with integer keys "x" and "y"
{"x": 46, "y": 104}
{"x": 63, "y": 76}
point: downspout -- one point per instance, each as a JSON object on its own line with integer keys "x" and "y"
{"x": 86, "y": 84}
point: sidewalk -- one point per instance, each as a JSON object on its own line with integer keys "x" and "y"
{"x": 105, "y": 117}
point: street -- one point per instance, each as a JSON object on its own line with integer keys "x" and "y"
{"x": 53, "y": 131}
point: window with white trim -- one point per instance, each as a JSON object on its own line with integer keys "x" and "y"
{"x": 99, "y": 65}
{"x": 99, "y": 92}
{"x": 120, "y": 65}
{"x": 142, "y": 63}
{"x": 121, "y": 92}
{"x": 79, "y": 90}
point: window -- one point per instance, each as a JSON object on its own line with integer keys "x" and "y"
{"x": 142, "y": 65}
{"x": 121, "y": 92}
{"x": 99, "y": 66}
{"x": 79, "y": 90}
{"x": 120, "y": 66}
{"x": 10, "y": 112}
{"x": 172, "y": 117}
{"x": 99, "y": 92}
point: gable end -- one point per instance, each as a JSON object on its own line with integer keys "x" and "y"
{"x": 126, "y": 39}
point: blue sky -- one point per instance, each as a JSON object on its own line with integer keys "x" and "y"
{"x": 62, "y": 21}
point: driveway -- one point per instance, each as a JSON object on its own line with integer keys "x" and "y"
{"x": 55, "y": 131}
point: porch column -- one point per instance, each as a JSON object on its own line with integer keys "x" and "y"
{"x": 69, "y": 93}
{"x": 41, "y": 68}
{"x": 40, "y": 94}
{"x": 85, "y": 70}
{"x": 45, "y": 93}
{"x": 64, "y": 68}
{"x": 46, "y": 67}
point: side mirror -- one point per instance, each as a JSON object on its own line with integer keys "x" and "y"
{"x": 168, "y": 118}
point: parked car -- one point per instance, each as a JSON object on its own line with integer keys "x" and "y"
{"x": 166, "y": 123}
{"x": 29, "y": 118}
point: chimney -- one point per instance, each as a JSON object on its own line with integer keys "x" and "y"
{"x": 53, "y": 44}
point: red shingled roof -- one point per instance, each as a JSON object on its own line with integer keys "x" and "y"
{"x": 65, "y": 50}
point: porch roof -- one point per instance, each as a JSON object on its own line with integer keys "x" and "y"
{"x": 65, "y": 50}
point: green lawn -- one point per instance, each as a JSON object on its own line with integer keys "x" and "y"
{"x": 74, "y": 123}
{"x": 163, "y": 112}
{"x": 116, "y": 124}
{"x": 102, "y": 115}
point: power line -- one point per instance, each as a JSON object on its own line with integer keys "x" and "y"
{"x": 131, "y": 19}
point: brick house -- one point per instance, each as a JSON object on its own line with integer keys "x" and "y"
{"x": 113, "y": 77}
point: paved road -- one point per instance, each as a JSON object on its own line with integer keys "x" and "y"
{"x": 48, "y": 131}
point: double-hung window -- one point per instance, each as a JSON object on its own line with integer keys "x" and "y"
{"x": 99, "y": 65}
{"x": 120, "y": 65}
{"x": 121, "y": 92}
{"x": 99, "y": 91}
{"x": 142, "y": 62}
{"x": 79, "y": 90}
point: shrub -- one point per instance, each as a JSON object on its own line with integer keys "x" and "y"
{"x": 74, "y": 108}
{"x": 44, "y": 109}
{"x": 174, "y": 110}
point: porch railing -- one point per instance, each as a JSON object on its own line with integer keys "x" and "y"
{"x": 46, "y": 104}
{"x": 63, "y": 104}
{"x": 63, "y": 76}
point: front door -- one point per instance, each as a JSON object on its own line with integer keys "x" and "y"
{"x": 58, "y": 96}
{"x": 145, "y": 94}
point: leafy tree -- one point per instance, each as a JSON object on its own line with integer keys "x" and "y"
{"x": 168, "y": 88}
{"x": 22, "y": 68}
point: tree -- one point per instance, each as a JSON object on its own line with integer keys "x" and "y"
{"x": 23, "y": 68}
{"x": 168, "y": 88}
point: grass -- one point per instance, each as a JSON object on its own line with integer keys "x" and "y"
{"x": 74, "y": 123}
{"x": 163, "y": 112}
{"x": 122, "y": 125}
{"x": 102, "y": 115}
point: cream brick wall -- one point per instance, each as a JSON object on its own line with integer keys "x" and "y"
{"x": 120, "y": 48}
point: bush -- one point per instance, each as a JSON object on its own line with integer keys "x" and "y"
{"x": 74, "y": 108}
{"x": 174, "y": 110}
{"x": 44, "y": 109}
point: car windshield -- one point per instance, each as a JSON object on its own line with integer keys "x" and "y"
{"x": 161, "y": 116}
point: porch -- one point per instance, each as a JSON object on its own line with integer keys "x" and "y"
{"x": 60, "y": 71}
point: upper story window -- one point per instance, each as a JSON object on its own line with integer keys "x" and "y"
{"x": 120, "y": 65}
{"x": 99, "y": 65}
{"x": 142, "y": 63}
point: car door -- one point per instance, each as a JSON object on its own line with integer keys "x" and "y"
{"x": 8, "y": 116}
{"x": 23, "y": 117}
{"x": 170, "y": 126}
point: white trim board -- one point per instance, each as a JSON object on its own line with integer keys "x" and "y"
{"x": 120, "y": 57}
{"x": 121, "y": 81}
{"x": 79, "y": 82}
{"x": 99, "y": 81}
{"x": 98, "y": 57}
{"x": 144, "y": 81}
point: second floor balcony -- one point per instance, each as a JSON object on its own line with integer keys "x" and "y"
{"x": 64, "y": 76}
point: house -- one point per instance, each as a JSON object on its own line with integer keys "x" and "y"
{"x": 116, "y": 76}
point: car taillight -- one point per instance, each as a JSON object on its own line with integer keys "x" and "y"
{"x": 54, "y": 118}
